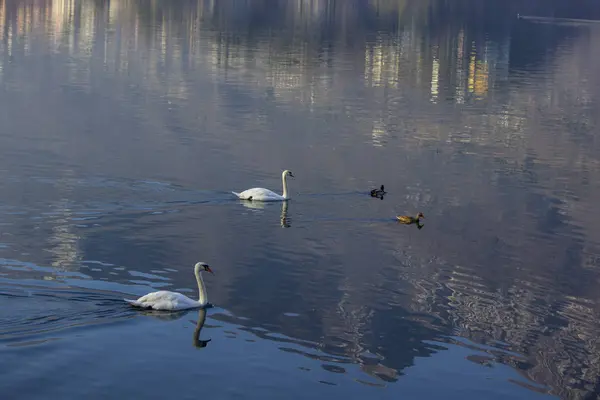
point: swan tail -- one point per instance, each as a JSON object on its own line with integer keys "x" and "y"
{"x": 134, "y": 303}
{"x": 239, "y": 195}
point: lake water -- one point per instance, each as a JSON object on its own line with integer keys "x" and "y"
{"x": 124, "y": 125}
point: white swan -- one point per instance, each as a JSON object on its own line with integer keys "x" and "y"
{"x": 173, "y": 301}
{"x": 261, "y": 194}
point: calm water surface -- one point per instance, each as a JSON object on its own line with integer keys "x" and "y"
{"x": 124, "y": 125}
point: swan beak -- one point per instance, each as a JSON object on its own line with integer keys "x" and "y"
{"x": 209, "y": 270}
{"x": 292, "y": 175}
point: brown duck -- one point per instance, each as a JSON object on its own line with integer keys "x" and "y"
{"x": 405, "y": 219}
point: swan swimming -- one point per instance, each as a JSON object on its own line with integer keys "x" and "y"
{"x": 262, "y": 194}
{"x": 173, "y": 301}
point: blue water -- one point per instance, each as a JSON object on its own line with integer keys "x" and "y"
{"x": 124, "y": 126}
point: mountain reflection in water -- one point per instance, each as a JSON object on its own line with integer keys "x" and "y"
{"x": 125, "y": 124}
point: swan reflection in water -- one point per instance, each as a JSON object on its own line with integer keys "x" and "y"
{"x": 172, "y": 316}
{"x": 198, "y": 343}
{"x": 285, "y": 221}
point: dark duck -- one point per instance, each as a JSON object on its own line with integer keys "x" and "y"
{"x": 378, "y": 192}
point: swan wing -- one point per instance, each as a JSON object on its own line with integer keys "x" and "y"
{"x": 164, "y": 300}
{"x": 259, "y": 194}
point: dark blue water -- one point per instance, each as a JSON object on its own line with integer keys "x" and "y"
{"x": 124, "y": 125}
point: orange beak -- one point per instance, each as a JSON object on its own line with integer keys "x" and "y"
{"x": 209, "y": 270}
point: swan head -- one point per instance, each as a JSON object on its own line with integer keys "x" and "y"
{"x": 289, "y": 173}
{"x": 202, "y": 266}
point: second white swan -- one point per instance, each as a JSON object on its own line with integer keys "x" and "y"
{"x": 173, "y": 301}
{"x": 262, "y": 194}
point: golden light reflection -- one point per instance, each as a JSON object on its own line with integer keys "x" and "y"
{"x": 117, "y": 31}
{"x": 478, "y": 75}
{"x": 471, "y": 78}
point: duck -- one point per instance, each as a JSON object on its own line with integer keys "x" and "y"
{"x": 405, "y": 219}
{"x": 262, "y": 194}
{"x": 165, "y": 300}
{"x": 378, "y": 192}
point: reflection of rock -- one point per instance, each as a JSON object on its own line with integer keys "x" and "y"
{"x": 546, "y": 331}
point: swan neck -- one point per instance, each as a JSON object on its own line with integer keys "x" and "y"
{"x": 285, "y": 188}
{"x": 202, "y": 296}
